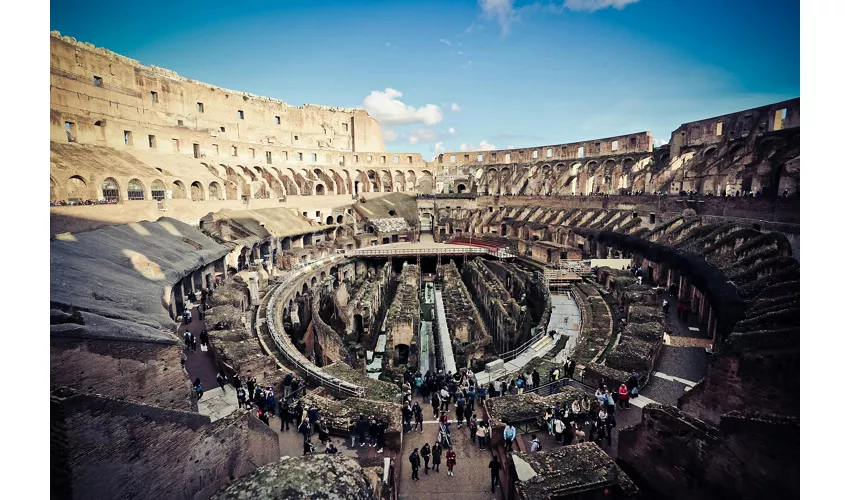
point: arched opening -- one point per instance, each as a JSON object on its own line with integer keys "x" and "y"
{"x": 402, "y": 351}
{"x": 313, "y": 281}
{"x": 135, "y": 190}
{"x": 76, "y": 188}
{"x": 304, "y": 288}
{"x": 178, "y": 190}
{"x": 215, "y": 191}
{"x": 197, "y": 191}
{"x": 286, "y": 243}
{"x": 157, "y": 190}
{"x": 110, "y": 189}
{"x": 358, "y": 326}
{"x": 461, "y": 188}
{"x": 339, "y": 219}
{"x": 307, "y": 240}
{"x": 320, "y": 189}
{"x": 329, "y": 220}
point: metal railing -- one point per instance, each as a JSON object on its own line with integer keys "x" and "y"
{"x": 514, "y": 353}
{"x": 385, "y": 252}
{"x": 284, "y": 343}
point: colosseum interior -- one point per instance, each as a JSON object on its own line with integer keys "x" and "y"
{"x": 303, "y": 250}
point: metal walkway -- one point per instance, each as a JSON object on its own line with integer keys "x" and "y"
{"x": 425, "y": 328}
{"x": 446, "y": 353}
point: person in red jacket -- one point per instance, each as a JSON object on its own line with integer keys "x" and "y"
{"x": 451, "y": 460}
{"x": 624, "y": 397}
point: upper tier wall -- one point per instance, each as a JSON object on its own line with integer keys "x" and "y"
{"x": 640, "y": 142}
{"x": 97, "y": 84}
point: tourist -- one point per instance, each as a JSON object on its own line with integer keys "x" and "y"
{"x": 271, "y": 403}
{"x": 252, "y": 382}
{"x": 624, "y": 397}
{"x": 362, "y": 427}
{"x": 535, "y": 443}
{"x": 437, "y": 452}
{"x": 417, "y": 415}
{"x": 435, "y": 403}
{"x": 495, "y": 468}
{"x": 535, "y": 378}
{"x": 308, "y": 446}
{"x": 559, "y": 427}
{"x": 426, "y": 456}
{"x": 509, "y": 434}
{"x": 352, "y": 431}
{"x": 451, "y": 461}
{"x": 569, "y": 368}
{"x": 187, "y": 339}
{"x": 492, "y": 392}
{"x": 505, "y": 388}
{"x": 285, "y": 416}
{"x": 529, "y": 381}
{"x": 470, "y": 396}
{"x": 520, "y": 384}
{"x": 382, "y": 430}
{"x": 665, "y": 306}
{"x": 330, "y": 449}
{"x": 600, "y": 394}
{"x": 199, "y": 389}
{"x": 240, "y": 397}
{"x": 686, "y": 311}
{"x": 550, "y": 421}
{"x": 304, "y": 429}
{"x": 205, "y": 338}
{"x": 414, "y": 463}
{"x": 481, "y": 433}
{"x": 580, "y": 436}
{"x": 194, "y": 343}
{"x": 373, "y": 431}
{"x": 472, "y": 425}
{"x": 482, "y": 394}
{"x": 324, "y": 436}
{"x": 263, "y": 416}
{"x": 222, "y": 380}
{"x": 444, "y": 399}
{"x": 406, "y": 417}
{"x": 467, "y": 414}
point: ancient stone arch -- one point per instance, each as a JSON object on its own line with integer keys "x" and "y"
{"x": 135, "y": 190}
{"x": 178, "y": 190}
{"x": 110, "y": 189}
{"x": 198, "y": 191}
{"x": 215, "y": 191}
{"x": 158, "y": 190}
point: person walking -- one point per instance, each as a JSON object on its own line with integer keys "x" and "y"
{"x": 205, "y": 338}
{"x": 362, "y": 428}
{"x": 509, "y": 435}
{"x": 240, "y": 397}
{"x": 444, "y": 399}
{"x": 437, "y": 452}
{"x": 382, "y": 429}
{"x": 481, "y": 433}
{"x": 495, "y": 468}
{"x": 194, "y": 343}
{"x": 559, "y": 429}
{"x": 451, "y": 461}
{"x": 417, "y": 415}
{"x": 222, "y": 380}
{"x": 304, "y": 429}
{"x": 199, "y": 389}
{"x": 665, "y": 306}
{"x": 308, "y": 447}
{"x": 535, "y": 443}
{"x": 435, "y": 403}
{"x": 426, "y": 456}
{"x": 285, "y": 416}
{"x": 624, "y": 397}
{"x": 535, "y": 378}
{"x": 414, "y": 463}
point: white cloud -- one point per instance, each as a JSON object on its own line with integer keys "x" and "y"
{"x": 421, "y": 135}
{"x": 385, "y": 107}
{"x": 460, "y": 52}
{"x": 656, "y": 142}
{"x": 390, "y": 135}
{"x": 482, "y": 146}
{"x": 439, "y": 148}
{"x": 501, "y": 10}
{"x": 594, "y": 5}
{"x": 443, "y": 40}
{"x": 452, "y": 131}
{"x": 388, "y": 44}
{"x": 455, "y": 106}
{"x": 504, "y": 12}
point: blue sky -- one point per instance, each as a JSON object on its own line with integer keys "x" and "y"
{"x": 520, "y": 73}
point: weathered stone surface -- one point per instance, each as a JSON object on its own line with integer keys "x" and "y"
{"x": 375, "y": 389}
{"x": 317, "y": 477}
{"x": 569, "y": 470}
{"x": 749, "y": 456}
{"x": 530, "y": 406}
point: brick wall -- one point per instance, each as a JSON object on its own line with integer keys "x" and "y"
{"x": 117, "y": 449}
{"x": 144, "y": 372}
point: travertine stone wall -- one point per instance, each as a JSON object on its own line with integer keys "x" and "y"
{"x": 403, "y": 314}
